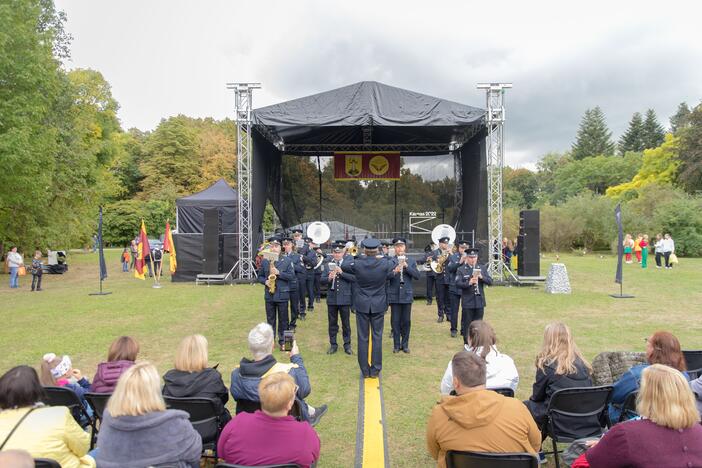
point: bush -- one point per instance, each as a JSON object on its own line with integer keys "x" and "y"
{"x": 122, "y": 219}
{"x": 682, "y": 219}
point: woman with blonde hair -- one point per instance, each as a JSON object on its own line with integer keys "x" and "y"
{"x": 559, "y": 365}
{"x": 669, "y": 433}
{"x": 285, "y": 440}
{"x": 137, "y": 430}
{"x": 193, "y": 378}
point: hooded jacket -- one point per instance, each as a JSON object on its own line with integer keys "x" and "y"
{"x": 161, "y": 437}
{"x": 107, "y": 375}
{"x": 207, "y": 383}
{"x": 481, "y": 421}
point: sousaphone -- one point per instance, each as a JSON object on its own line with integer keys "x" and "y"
{"x": 442, "y": 230}
{"x": 319, "y": 232}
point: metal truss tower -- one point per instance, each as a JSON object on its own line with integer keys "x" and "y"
{"x": 243, "y": 99}
{"x": 495, "y": 120}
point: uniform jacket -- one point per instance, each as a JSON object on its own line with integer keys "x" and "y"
{"x": 107, "y": 375}
{"x": 468, "y": 297}
{"x": 371, "y": 275}
{"x": 300, "y": 270}
{"x": 440, "y": 277}
{"x": 452, "y": 264}
{"x": 49, "y": 432}
{"x": 429, "y": 256}
{"x": 342, "y": 293}
{"x": 401, "y": 293}
{"x": 282, "y": 283}
{"x": 204, "y": 384}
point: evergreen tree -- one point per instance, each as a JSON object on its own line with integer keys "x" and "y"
{"x": 690, "y": 175}
{"x": 679, "y": 120}
{"x": 593, "y": 138}
{"x": 653, "y": 132}
{"x": 632, "y": 140}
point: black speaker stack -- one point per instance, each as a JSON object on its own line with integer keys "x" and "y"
{"x": 528, "y": 244}
{"x": 212, "y": 248}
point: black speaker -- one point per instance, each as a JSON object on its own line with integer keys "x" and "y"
{"x": 529, "y": 244}
{"x": 211, "y": 242}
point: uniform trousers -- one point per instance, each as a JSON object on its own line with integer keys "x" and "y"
{"x": 431, "y": 285}
{"x": 294, "y": 307}
{"x": 468, "y": 316}
{"x": 310, "y": 289}
{"x": 333, "y": 313}
{"x": 370, "y": 326}
{"x": 442, "y": 298}
{"x": 277, "y": 312}
{"x": 401, "y": 324}
{"x": 318, "y": 286}
{"x": 301, "y": 290}
{"x": 454, "y": 304}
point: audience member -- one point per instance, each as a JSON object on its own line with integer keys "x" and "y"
{"x": 14, "y": 262}
{"x": 137, "y": 430}
{"x": 246, "y": 377}
{"x": 478, "y": 419}
{"x": 286, "y": 440}
{"x": 696, "y": 386}
{"x": 667, "y": 249}
{"x": 43, "y": 431}
{"x": 559, "y": 365}
{"x": 658, "y": 249}
{"x": 669, "y": 433}
{"x": 193, "y": 378}
{"x": 16, "y": 459}
{"x": 59, "y": 372}
{"x": 501, "y": 371}
{"x": 121, "y": 356}
{"x": 661, "y": 348}
{"x": 37, "y": 271}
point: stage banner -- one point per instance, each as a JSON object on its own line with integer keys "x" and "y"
{"x": 362, "y": 165}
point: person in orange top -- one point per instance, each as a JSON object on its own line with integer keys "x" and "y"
{"x": 637, "y": 248}
{"x": 126, "y": 258}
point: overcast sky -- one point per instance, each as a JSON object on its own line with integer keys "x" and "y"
{"x": 169, "y": 57}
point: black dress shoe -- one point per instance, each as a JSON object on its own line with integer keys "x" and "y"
{"x": 429, "y": 303}
{"x": 374, "y": 375}
{"x": 405, "y": 350}
{"x": 453, "y": 334}
{"x": 395, "y": 350}
{"x": 310, "y": 308}
{"x": 318, "y": 300}
{"x": 332, "y": 349}
{"x": 348, "y": 351}
{"x": 440, "y": 319}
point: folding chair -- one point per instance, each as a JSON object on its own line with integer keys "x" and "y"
{"x": 203, "y": 416}
{"x": 506, "y": 391}
{"x": 46, "y": 463}
{"x": 576, "y": 413}
{"x": 629, "y": 407}
{"x": 98, "y": 402}
{"x": 62, "y": 396}
{"x": 250, "y": 406}
{"x": 460, "y": 459}
{"x": 693, "y": 360}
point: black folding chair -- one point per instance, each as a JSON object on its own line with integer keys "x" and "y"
{"x": 46, "y": 463}
{"x": 693, "y": 360}
{"x": 459, "y": 459}
{"x": 98, "y": 402}
{"x": 694, "y": 374}
{"x": 203, "y": 416}
{"x": 250, "y": 406}
{"x": 62, "y": 396}
{"x": 629, "y": 407}
{"x": 506, "y": 391}
{"x": 576, "y": 413}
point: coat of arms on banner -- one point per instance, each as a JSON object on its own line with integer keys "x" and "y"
{"x": 379, "y": 165}
{"x": 353, "y": 165}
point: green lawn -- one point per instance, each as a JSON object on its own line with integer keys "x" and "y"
{"x": 65, "y": 320}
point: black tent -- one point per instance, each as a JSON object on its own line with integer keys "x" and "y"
{"x": 370, "y": 116}
{"x": 190, "y": 221}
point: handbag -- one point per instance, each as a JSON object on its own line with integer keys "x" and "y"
{"x": 21, "y": 271}
{"x": 674, "y": 258}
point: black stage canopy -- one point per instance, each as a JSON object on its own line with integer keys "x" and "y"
{"x": 371, "y": 116}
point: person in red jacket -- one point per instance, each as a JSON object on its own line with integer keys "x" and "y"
{"x": 121, "y": 356}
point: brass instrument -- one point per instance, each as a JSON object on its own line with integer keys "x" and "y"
{"x": 271, "y": 284}
{"x": 353, "y": 250}
{"x": 439, "y": 264}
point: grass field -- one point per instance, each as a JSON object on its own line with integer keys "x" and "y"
{"x": 63, "y": 319}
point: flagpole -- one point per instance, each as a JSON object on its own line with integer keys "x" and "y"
{"x": 101, "y": 258}
{"x": 156, "y": 284}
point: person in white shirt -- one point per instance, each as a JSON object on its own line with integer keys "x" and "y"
{"x": 668, "y": 247}
{"x": 14, "y": 262}
{"x": 501, "y": 371}
{"x": 658, "y": 249}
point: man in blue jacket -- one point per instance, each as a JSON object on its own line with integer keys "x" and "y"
{"x": 339, "y": 298}
{"x": 371, "y": 271}
{"x": 281, "y": 273}
{"x": 471, "y": 279}
{"x": 400, "y": 295}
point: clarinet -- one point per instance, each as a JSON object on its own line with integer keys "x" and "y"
{"x": 333, "y": 279}
{"x": 476, "y": 291}
{"x": 402, "y": 269}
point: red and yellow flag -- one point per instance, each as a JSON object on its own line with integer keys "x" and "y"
{"x": 143, "y": 250}
{"x": 169, "y": 246}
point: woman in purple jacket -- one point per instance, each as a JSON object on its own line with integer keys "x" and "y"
{"x": 121, "y": 356}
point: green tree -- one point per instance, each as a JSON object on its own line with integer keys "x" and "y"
{"x": 690, "y": 172}
{"x": 679, "y": 119}
{"x": 653, "y": 132}
{"x": 521, "y": 187}
{"x": 633, "y": 138}
{"x": 122, "y": 219}
{"x": 593, "y": 137}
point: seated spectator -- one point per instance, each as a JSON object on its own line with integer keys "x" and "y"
{"x": 16, "y": 459}
{"x": 246, "y": 377}
{"x": 501, "y": 371}
{"x": 478, "y": 419}
{"x": 137, "y": 430}
{"x": 559, "y": 365}
{"x": 669, "y": 433}
{"x": 43, "y": 431}
{"x": 192, "y": 378}
{"x": 661, "y": 348}
{"x": 121, "y": 356}
{"x": 286, "y": 440}
{"x": 59, "y": 372}
{"x": 696, "y": 386}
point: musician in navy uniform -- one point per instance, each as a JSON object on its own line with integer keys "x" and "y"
{"x": 471, "y": 279}
{"x": 431, "y": 276}
{"x": 277, "y": 302}
{"x": 441, "y": 282}
{"x": 371, "y": 272}
{"x": 318, "y": 274}
{"x": 300, "y": 247}
{"x": 454, "y": 293}
{"x": 296, "y": 284}
{"x": 400, "y": 295}
{"x": 310, "y": 260}
{"x": 338, "y": 298}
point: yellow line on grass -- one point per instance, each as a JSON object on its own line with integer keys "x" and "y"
{"x": 373, "y": 440}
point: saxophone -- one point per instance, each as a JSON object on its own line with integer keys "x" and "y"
{"x": 271, "y": 280}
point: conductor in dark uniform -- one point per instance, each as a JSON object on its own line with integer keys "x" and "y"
{"x": 471, "y": 279}
{"x": 339, "y": 298}
{"x": 371, "y": 272}
{"x": 276, "y": 276}
{"x": 295, "y": 285}
{"x": 454, "y": 293}
{"x": 400, "y": 295}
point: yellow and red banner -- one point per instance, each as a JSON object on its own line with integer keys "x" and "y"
{"x": 363, "y": 165}
{"x": 143, "y": 251}
{"x": 169, "y": 246}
